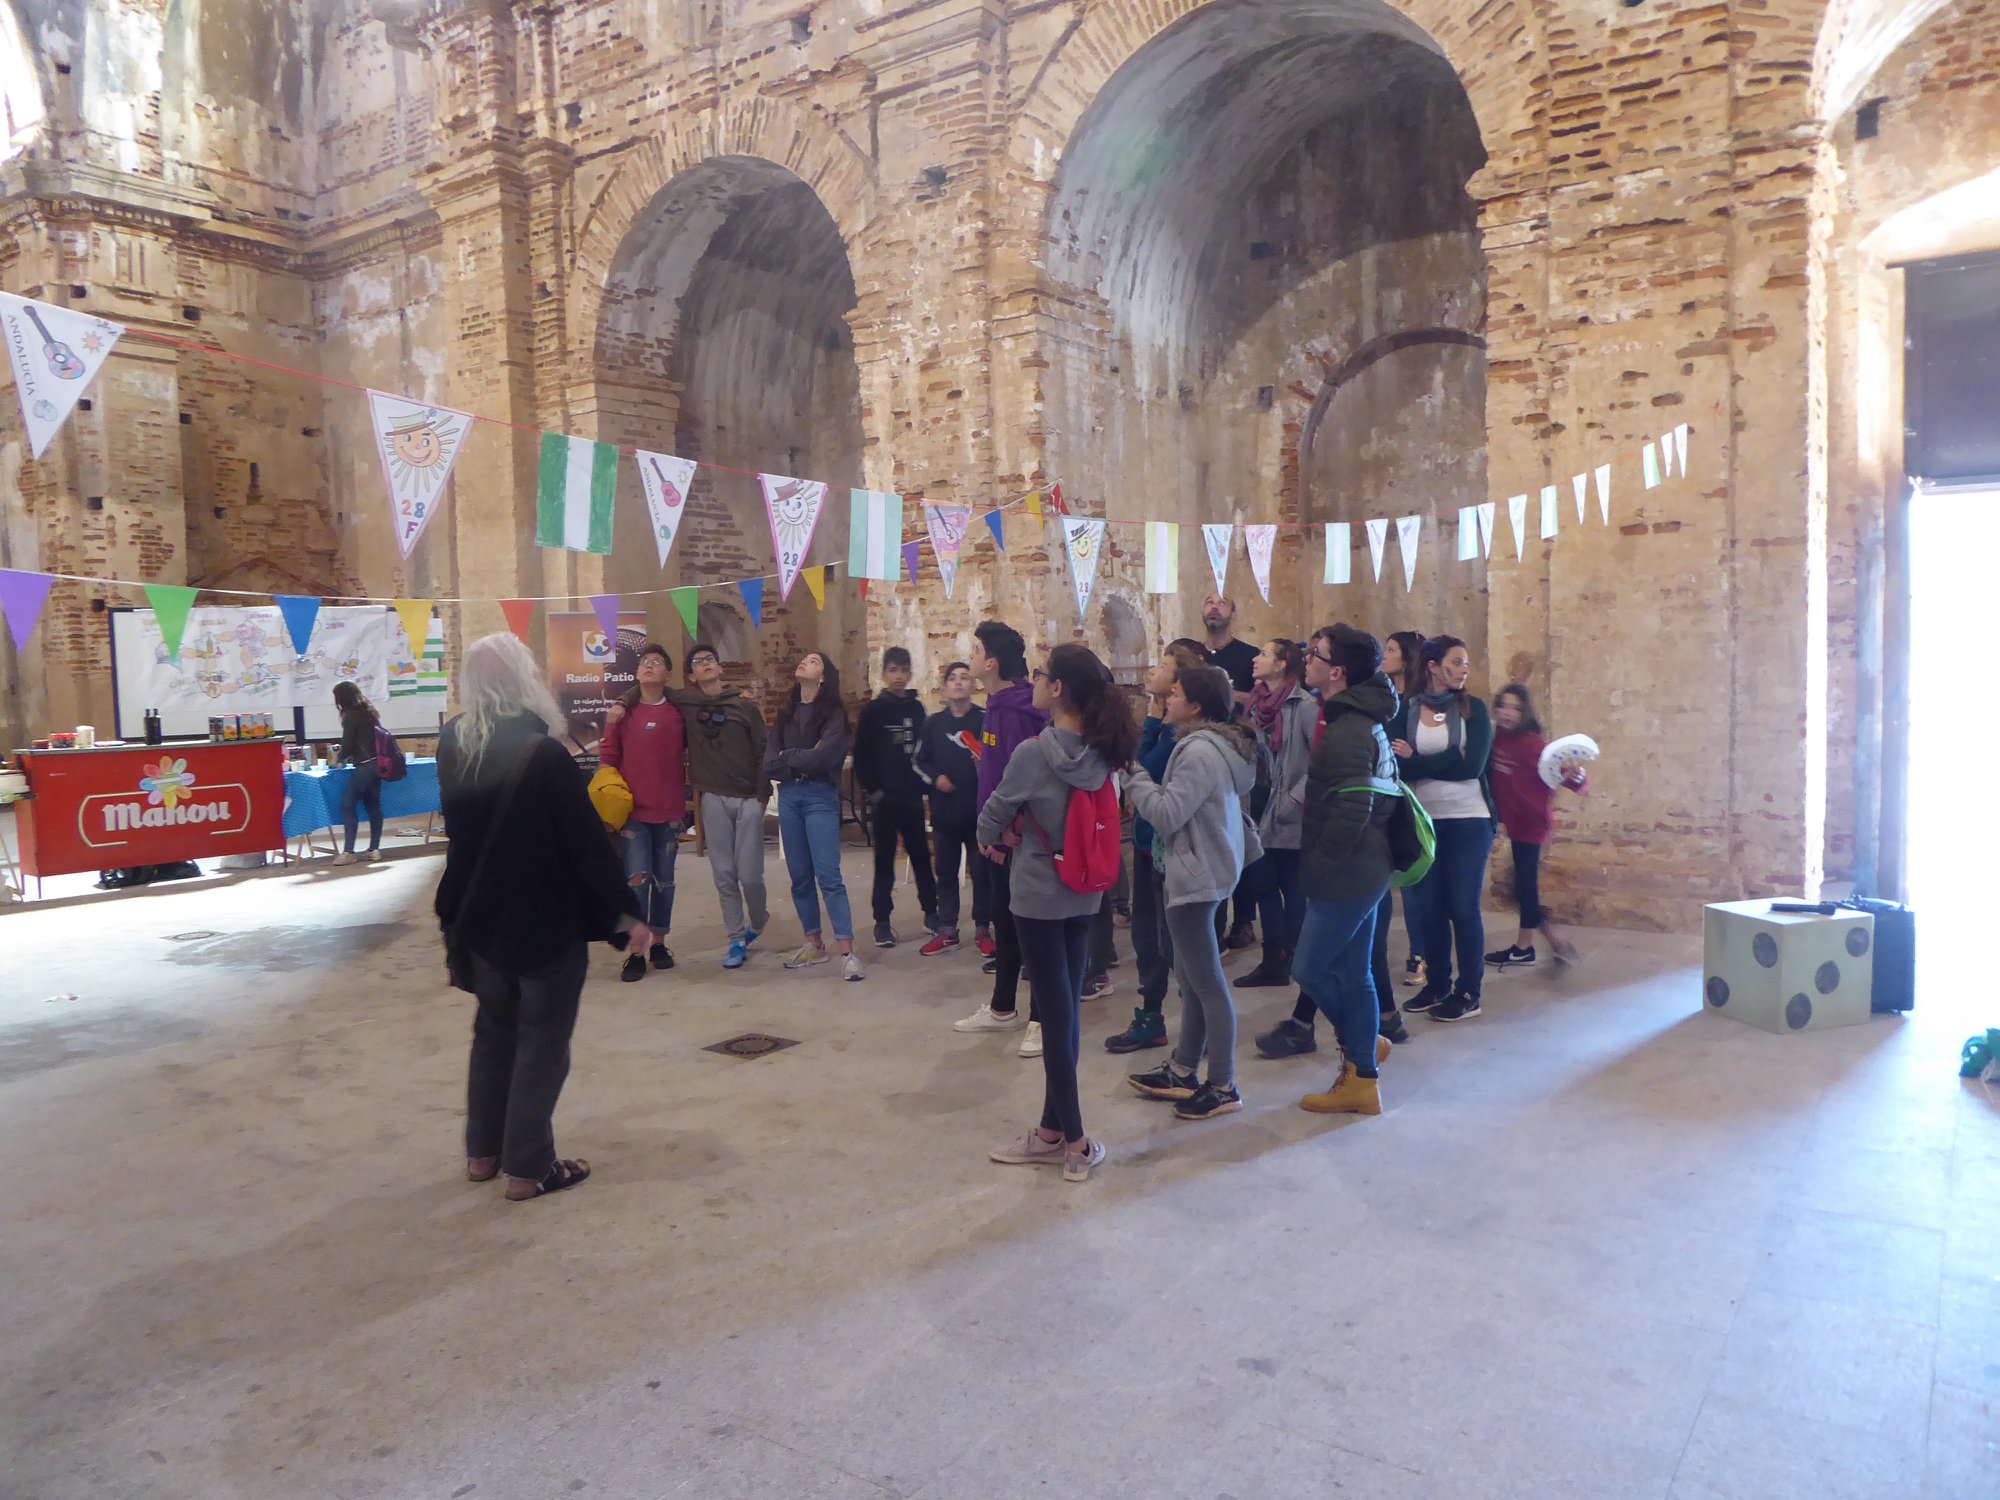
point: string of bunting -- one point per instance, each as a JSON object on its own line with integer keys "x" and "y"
{"x": 56, "y": 352}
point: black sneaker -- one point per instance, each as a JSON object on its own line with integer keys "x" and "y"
{"x": 1424, "y": 999}
{"x": 1289, "y": 1038}
{"x": 1208, "y": 1101}
{"x": 885, "y": 935}
{"x": 662, "y": 956}
{"x": 1241, "y": 936}
{"x": 1391, "y": 1026}
{"x": 1456, "y": 1008}
{"x": 991, "y": 966}
{"x": 635, "y": 968}
{"x": 1164, "y": 1082}
{"x": 1148, "y": 1029}
{"x": 1097, "y": 986}
{"x": 1267, "y": 975}
{"x": 1512, "y": 958}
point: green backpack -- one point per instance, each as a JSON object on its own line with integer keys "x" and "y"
{"x": 1411, "y": 833}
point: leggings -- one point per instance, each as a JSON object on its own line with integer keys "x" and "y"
{"x": 1528, "y": 883}
{"x": 1052, "y": 952}
{"x": 1208, "y": 1011}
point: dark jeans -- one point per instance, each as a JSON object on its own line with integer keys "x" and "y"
{"x": 1053, "y": 952}
{"x": 905, "y": 821}
{"x": 1007, "y": 948}
{"x": 520, "y": 1058}
{"x": 1332, "y": 964}
{"x": 1103, "y": 953}
{"x": 954, "y": 845}
{"x": 1528, "y": 883}
{"x": 364, "y": 789}
{"x": 1447, "y": 901}
{"x": 1281, "y": 902}
{"x": 1152, "y": 945}
{"x": 1378, "y": 965}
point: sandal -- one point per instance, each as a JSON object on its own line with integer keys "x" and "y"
{"x": 481, "y": 1168}
{"x": 564, "y": 1174}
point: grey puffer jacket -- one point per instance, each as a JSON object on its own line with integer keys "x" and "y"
{"x": 1283, "y": 823}
{"x": 1202, "y": 834}
{"x": 1032, "y": 803}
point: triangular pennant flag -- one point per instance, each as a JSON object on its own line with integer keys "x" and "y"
{"x": 1579, "y": 484}
{"x": 993, "y": 525}
{"x": 56, "y": 353}
{"x": 1468, "y": 534}
{"x": 1083, "y": 539}
{"x": 1035, "y": 504}
{"x": 171, "y": 604}
{"x": 1163, "y": 557}
{"x": 1649, "y": 461}
{"x": 1056, "y": 499}
{"x": 520, "y": 615}
{"x": 687, "y": 601}
{"x": 910, "y": 560}
{"x": 665, "y": 479}
{"x": 416, "y": 617}
{"x": 1681, "y": 448}
{"x": 1548, "y": 511}
{"x": 874, "y": 534}
{"x": 1409, "y": 529}
{"x": 752, "y": 590}
{"x": 864, "y": 590}
{"x": 816, "y": 583}
{"x": 300, "y": 611}
{"x": 1486, "y": 514}
{"x": 1339, "y": 552}
{"x": 1215, "y": 536}
{"x": 576, "y": 486}
{"x": 947, "y": 524}
{"x": 21, "y": 598}
{"x": 605, "y": 607}
{"x": 1258, "y": 542}
{"x": 418, "y": 445}
{"x": 1603, "y": 491}
{"x": 1517, "y": 512}
{"x": 1667, "y": 454}
{"x": 1378, "y": 539}
{"x": 793, "y": 506}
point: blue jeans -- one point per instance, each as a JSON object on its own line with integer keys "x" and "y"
{"x": 809, "y": 827}
{"x": 1447, "y": 902}
{"x": 650, "y": 850}
{"x": 364, "y": 789}
{"x": 1333, "y": 964}
{"x": 1281, "y": 903}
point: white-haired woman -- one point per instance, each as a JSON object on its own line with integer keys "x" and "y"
{"x": 529, "y": 882}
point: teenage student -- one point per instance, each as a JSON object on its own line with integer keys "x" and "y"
{"x": 948, "y": 761}
{"x": 645, "y": 741}
{"x": 804, "y": 756}
{"x": 885, "y": 753}
{"x": 1526, "y": 805}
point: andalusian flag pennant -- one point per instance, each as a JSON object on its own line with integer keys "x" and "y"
{"x": 1163, "y": 557}
{"x": 579, "y": 479}
{"x": 875, "y": 536}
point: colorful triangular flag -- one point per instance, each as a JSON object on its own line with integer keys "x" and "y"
{"x": 1548, "y": 511}
{"x": 1649, "y": 462}
{"x": 874, "y": 534}
{"x": 56, "y": 353}
{"x": 816, "y": 584}
{"x": 1057, "y": 501}
{"x": 752, "y": 590}
{"x": 418, "y": 444}
{"x": 1579, "y": 484}
{"x": 1339, "y": 552}
{"x": 1468, "y": 534}
{"x": 605, "y": 607}
{"x": 1603, "y": 491}
{"x": 575, "y": 488}
{"x": 910, "y": 550}
{"x": 1378, "y": 540}
{"x": 993, "y": 525}
{"x": 1083, "y": 540}
{"x": 21, "y": 598}
{"x": 947, "y": 524}
{"x": 300, "y": 611}
{"x": 416, "y": 617}
{"x": 1517, "y": 513}
{"x": 1163, "y": 557}
{"x": 1215, "y": 537}
{"x": 1409, "y": 530}
{"x": 1258, "y": 542}
{"x": 793, "y": 506}
{"x": 171, "y": 603}
{"x": 666, "y": 480}
{"x": 520, "y": 615}
{"x": 687, "y": 602}
{"x": 1034, "y": 499}
{"x": 1486, "y": 511}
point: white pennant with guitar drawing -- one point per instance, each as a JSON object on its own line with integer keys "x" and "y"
{"x": 1083, "y": 540}
{"x": 1215, "y": 537}
{"x": 56, "y": 353}
{"x": 665, "y": 480}
{"x": 793, "y": 506}
{"x": 1408, "y": 531}
{"x": 1378, "y": 538}
{"x": 1258, "y": 542}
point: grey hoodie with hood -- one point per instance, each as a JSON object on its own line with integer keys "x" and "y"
{"x": 1202, "y": 833}
{"x": 1035, "y": 793}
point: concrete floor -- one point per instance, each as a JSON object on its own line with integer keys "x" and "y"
{"x": 1602, "y": 1244}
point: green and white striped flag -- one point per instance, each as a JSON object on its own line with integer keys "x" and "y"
{"x": 573, "y": 499}
{"x": 875, "y": 536}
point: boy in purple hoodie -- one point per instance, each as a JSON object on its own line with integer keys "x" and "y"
{"x": 999, "y": 659}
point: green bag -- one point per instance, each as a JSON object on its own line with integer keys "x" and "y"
{"x": 1981, "y": 1056}
{"x": 1411, "y": 833}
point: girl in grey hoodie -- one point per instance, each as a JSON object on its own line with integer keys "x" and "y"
{"x": 1091, "y": 735}
{"x": 1203, "y": 837}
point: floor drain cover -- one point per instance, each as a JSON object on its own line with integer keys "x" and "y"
{"x": 751, "y": 1044}
{"x": 192, "y": 937}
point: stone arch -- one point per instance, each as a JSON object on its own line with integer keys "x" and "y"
{"x": 23, "y": 91}
{"x": 1856, "y": 37}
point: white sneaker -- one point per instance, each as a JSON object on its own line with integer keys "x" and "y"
{"x": 1031, "y": 1044}
{"x": 851, "y": 970}
{"x": 988, "y": 1019}
{"x": 808, "y": 955}
{"x": 346, "y": 858}
{"x": 373, "y": 856}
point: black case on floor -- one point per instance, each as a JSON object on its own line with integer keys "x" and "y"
{"x": 1895, "y": 953}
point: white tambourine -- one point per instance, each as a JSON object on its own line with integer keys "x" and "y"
{"x": 1561, "y": 757}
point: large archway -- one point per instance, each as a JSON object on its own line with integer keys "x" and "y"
{"x": 722, "y": 335}
{"x": 1259, "y": 193}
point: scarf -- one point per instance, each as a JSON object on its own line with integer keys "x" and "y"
{"x": 1448, "y": 704}
{"x": 1265, "y": 705}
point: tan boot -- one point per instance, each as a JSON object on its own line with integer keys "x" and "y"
{"x": 1383, "y": 1047}
{"x": 1351, "y": 1094}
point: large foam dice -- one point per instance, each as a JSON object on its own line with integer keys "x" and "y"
{"x": 1784, "y": 971}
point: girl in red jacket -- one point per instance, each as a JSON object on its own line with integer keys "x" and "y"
{"x": 1525, "y": 804}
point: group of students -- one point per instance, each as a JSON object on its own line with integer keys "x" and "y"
{"x": 1277, "y": 790}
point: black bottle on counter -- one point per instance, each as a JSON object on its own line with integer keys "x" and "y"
{"x": 154, "y": 733}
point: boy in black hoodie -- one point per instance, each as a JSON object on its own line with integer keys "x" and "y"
{"x": 948, "y": 760}
{"x": 885, "y": 748}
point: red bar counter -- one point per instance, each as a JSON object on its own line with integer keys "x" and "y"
{"x": 112, "y": 808}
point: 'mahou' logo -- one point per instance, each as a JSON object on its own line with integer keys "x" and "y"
{"x": 168, "y": 796}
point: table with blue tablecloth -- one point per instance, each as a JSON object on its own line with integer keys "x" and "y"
{"x": 312, "y": 798}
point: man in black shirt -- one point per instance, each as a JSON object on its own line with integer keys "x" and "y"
{"x": 1237, "y": 658}
{"x": 885, "y": 747}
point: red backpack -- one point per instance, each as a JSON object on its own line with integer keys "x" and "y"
{"x": 1090, "y": 854}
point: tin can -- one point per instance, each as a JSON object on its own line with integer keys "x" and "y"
{"x": 215, "y": 729}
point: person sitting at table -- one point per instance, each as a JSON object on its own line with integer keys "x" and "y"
{"x": 358, "y": 722}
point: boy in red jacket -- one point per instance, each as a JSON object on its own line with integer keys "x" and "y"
{"x": 647, "y": 744}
